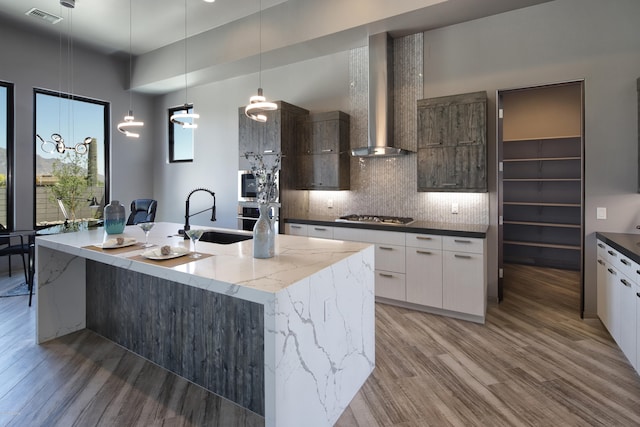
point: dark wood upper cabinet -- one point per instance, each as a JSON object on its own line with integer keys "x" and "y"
{"x": 323, "y": 156}
{"x": 452, "y": 143}
{"x": 282, "y": 131}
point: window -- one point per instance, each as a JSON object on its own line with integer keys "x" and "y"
{"x": 6, "y": 154}
{"x": 71, "y": 157}
{"x": 180, "y": 139}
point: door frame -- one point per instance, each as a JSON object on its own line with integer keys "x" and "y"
{"x": 500, "y": 188}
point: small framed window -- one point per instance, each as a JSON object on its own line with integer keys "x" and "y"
{"x": 180, "y": 139}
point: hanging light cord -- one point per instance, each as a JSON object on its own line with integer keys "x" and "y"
{"x": 260, "y": 45}
{"x": 130, "y": 58}
{"x": 186, "y": 94}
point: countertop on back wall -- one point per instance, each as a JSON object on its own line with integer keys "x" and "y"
{"x": 427, "y": 227}
{"x": 627, "y": 244}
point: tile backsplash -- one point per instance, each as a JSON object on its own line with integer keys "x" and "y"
{"x": 388, "y": 186}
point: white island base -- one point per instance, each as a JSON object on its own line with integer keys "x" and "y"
{"x": 290, "y": 338}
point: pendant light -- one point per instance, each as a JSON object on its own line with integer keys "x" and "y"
{"x": 56, "y": 144}
{"x": 258, "y": 104}
{"x": 184, "y": 118}
{"x": 129, "y": 124}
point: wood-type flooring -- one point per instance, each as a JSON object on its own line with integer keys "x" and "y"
{"x": 534, "y": 363}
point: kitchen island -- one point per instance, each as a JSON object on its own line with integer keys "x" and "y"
{"x": 290, "y": 338}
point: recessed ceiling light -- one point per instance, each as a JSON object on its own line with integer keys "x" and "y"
{"x": 209, "y": 1}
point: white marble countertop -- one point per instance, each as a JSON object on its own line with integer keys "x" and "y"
{"x": 231, "y": 270}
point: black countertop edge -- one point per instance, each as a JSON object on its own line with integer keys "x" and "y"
{"x": 445, "y": 229}
{"x": 626, "y": 243}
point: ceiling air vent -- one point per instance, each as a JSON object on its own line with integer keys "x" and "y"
{"x": 45, "y": 16}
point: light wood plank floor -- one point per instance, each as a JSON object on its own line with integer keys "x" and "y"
{"x": 535, "y": 363}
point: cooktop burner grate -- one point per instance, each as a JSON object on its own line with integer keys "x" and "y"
{"x": 376, "y": 219}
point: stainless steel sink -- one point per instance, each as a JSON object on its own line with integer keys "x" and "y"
{"x": 223, "y": 238}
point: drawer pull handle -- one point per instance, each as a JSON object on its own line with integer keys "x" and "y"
{"x": 319, "y": 229}
{"x": 625, "y": 262}
{"x": 385, "y": 274}
{"x": 624, "y": 282}
{"x": 612, "y": 253}
{"x": 462, "y": 241}
{"x": 424, "y": 252}
{"x": 386, "y": 248}
{"x": 600, "y": 245}
{"x": 462, "y": 256}
{"x": 269, "y": 151}
{"x": 600, "y": 262}
{"x": 423, "y": 238}
{"x": 473, "y": 141}
{"x": 296, "y": 226}
{"x": 611, "y": 271}
{"x": 327, "y": 150}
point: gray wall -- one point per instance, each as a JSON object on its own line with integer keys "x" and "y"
{"x": 558, "y": 41}
{"x": 563, "y": 40}
{"x": 30, "y": 60}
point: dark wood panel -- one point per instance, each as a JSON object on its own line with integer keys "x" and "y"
{"x": 452, "y": 141}
{"x": 214, "y": 340}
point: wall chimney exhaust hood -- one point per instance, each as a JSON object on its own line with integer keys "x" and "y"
{"x": 380, "y": 142}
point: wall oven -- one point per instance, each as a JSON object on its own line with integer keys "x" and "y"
{"x": 248, "y": 214}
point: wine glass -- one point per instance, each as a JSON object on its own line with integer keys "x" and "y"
{"x": 146, "y": 227}
{"x": 194, "y": 235}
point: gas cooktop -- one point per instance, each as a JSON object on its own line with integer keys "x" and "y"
{"x": 376, "y": 219}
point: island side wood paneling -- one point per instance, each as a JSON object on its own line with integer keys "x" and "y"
{"x": 214, "y": 340}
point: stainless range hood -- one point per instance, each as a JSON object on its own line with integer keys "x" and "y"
{"x": 380, "y": 100}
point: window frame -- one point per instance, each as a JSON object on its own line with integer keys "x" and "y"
{"x": 10, "y": 104}
{"x": 107, "y": 138}
{"x": 171, "y": 111}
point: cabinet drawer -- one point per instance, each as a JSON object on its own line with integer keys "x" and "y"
{"x": 296, "y": 229}
{"x": 320, "y": 231}
{"x": 390, "y": 285}
{"x": 369, "y": 236}
{"x": 463, "y": 244}
{"x": 427, "y": 241}
{"x": 390, "y": 258}
{"x": 627, "y": 267}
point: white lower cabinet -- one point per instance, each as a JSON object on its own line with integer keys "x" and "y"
{"x": 604, "y": 294}
{"x": 390, "y": 285}
{"x": 464, "y": 276}
{"x": 296, "y": 229}
{"x": 618, "y": 304}
{"x": 424, "y": 269}
{"x": 322, "y": 232}
{"x": 627, "y": 328}
{"x": 440, "y": 274}
{"x": 637, "y": 298}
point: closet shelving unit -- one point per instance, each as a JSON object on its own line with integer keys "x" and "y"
{"x": 542, "y": 201}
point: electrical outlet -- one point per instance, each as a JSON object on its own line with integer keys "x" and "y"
{"x": 454, "y": 208}
{"x": 601, "y": 213}
{"x": 330, "y": 203}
